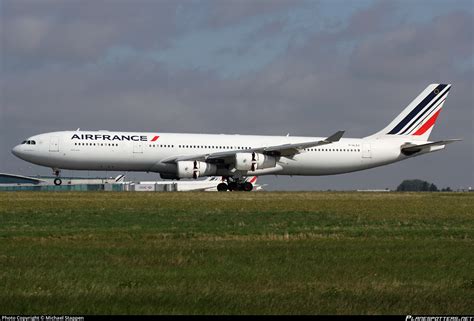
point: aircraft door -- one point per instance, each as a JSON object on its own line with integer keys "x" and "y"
{"x": 54, "y": 144}
{"x": 138, "y": 147}
{"x": 366, "y": 150}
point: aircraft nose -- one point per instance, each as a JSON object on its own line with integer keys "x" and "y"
{"x": 16, "y": 151}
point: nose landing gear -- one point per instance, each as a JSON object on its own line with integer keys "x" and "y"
{"x": 57, "y": 181}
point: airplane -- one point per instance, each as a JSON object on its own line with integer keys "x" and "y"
{"x": 235, "y": 157}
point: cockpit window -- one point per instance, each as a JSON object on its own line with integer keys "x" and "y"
{"x": 23, "y": 142}
{"x": 28, "y": 142}
{"x": 33, "y": 142}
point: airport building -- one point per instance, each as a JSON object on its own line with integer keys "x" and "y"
{"x": 13, "y": 182}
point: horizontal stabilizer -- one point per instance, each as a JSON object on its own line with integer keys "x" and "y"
{"x": 410, "y": 149}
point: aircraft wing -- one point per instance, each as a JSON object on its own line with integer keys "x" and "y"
{"x": 291, "y": 149}
{"x": 276, "y": 150}
{"x": 411, "y": 149}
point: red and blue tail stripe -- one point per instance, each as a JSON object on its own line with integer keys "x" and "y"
{"x": 426, "y": 108}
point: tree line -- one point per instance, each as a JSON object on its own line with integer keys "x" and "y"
{"x": 418, "y": 185}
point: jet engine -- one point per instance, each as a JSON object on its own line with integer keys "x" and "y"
{"x": 194, "y": 169}
{"x": 253, "y": 161}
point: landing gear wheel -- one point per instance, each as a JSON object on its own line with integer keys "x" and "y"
{"x": 222, "y": 187}
{"x": 233, "y": 186}
{"x": 57, "y": 180}
{"x": 247, "y": 186}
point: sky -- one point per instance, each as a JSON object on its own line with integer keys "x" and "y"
{"x": 272, "y": 67}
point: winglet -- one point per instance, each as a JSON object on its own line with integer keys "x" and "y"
{"x": 335, "y": 137}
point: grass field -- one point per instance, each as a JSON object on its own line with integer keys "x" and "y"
{"x": 236, "y": 253}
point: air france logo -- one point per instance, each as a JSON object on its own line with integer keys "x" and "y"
{"x": 134, "y": 138}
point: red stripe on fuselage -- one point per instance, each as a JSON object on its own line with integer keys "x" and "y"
{"x": 155, "y": 138}
{"x": 428, "y": 124}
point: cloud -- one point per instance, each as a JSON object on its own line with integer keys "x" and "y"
{"x": 55, "y": 32}
{"x": 413, "y": 51}
{"x": 354, "y": 75}
{"x": 231, "y": 12}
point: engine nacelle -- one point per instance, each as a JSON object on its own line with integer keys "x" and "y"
{"x": 253, "y": 161}
{"x": 243, "y": 161}
{"x": 194, "y": 169}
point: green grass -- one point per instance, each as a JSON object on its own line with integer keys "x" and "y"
{"x": 236, "y": 253}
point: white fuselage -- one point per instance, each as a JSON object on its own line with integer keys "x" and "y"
{"x": 148, "y": 152}
{"x": 236, "y": 156}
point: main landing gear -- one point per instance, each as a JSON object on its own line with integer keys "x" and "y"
{"x": 57, "y": 181}
{"x": 234, "y": 184}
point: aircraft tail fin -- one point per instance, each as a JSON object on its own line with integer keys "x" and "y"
{"x": 251, "y": 179}
{"x": 120, "y": 178}
{"x": 418, "y": 118}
